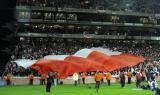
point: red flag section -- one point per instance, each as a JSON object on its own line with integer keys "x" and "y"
{"x": 106, "y": 60}
{"x": 128, "y": 59}
{"x": 98, "y": 57}
{"x": 67, "y": 67}
{"x": 88, "y": 64}
{"x": 64, "y": 68}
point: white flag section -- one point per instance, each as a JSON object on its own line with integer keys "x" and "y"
{"x": 83, "y": 52}
{"x": 56, "y": 57}
{"x": 24, "y": 62}
{"x": 106, "y": 51}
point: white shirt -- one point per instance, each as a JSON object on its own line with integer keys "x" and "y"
{"x": 151, "y": 84}
{"x": 75, "y": 76}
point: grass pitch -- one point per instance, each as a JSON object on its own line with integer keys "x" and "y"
{"x": 114, "y": 89}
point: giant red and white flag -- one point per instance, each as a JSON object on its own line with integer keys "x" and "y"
{"x": 85, "y": 60}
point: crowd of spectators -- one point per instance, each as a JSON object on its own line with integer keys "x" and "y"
{"x": 36, "y": 48}
{"x": 39, "y": 47}
{"x": 150, "y": 6}
{"x": 15, "y": 70}
{"x": 97, "y": 30}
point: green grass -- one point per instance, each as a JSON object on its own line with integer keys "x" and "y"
{"x": 114, "y": 89}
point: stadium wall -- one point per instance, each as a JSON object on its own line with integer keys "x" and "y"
{"x": 69, "y": 80}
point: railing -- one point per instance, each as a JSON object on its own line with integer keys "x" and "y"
{"x": 75, "y": 10}
{"x": 41, "y": 21}
{"x": 92, "y": 36}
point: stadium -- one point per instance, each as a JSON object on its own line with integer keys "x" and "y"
{"x": 76, "y": 47}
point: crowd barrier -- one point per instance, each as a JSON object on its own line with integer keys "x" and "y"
{"x": 69, "y": 80}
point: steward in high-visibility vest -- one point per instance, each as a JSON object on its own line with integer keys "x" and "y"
{"x": 143, "y": 75}
{"x": 42, "y": 79}
{"x": 108, "y": 78}
{"x": 83, "y": 75}
{"x": 98, "y": 79}
{"x": 129, "y": 75}
{"x": 31, "y": 78}
{"x": 8, "y": 79}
